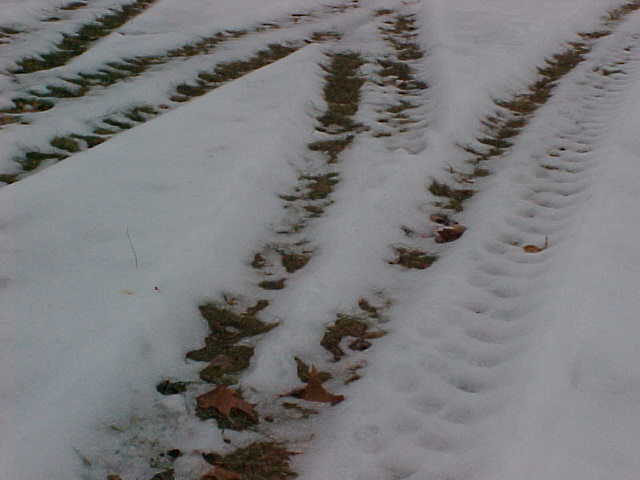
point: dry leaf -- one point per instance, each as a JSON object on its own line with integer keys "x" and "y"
{"x": 449, "y": 234}
{"x": 217, "y": 473}
{"x": 223, "y": 399}
{"x": 313, "y": 391}
{"x": 535, "y": 248}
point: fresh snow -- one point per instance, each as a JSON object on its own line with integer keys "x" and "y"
{"x": 498, "y": 364}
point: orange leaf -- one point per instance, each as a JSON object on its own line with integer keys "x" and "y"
{"x": 223, "y": 399}
{"x": 314, "y": 391}
{"x": 218, "y": 473}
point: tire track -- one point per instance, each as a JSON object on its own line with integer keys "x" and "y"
{"x": 97, "y": 132}
{"x": 459, "y": 374}
{"x": 236, "y": 321}
{"x": 467, "y": 361}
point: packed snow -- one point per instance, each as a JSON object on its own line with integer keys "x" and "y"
{"x": 497, "y": 363}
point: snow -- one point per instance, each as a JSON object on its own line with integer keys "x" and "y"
{"x": 498, "y": 364}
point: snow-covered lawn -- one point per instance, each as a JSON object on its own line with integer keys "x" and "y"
{"x": 491, "y": 363}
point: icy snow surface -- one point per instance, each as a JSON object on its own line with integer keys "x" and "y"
{"x": 497, "y": 363}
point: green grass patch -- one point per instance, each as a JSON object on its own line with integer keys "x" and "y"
{"x": 32, "y": 160}
{"x": 66, "y": 143}
{"x": 331, "y": 148}
{"x": 27, "y": 104}
{"x": 319, "y": 187}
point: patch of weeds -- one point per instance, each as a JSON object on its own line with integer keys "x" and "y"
{"x": 104, "y": 131}
{"x": 73, "y": 45}
{"x": 342, "y": 91}
{"x": 57, "y": 91}
{"x": 9, "y": 31}
{"x": 391, "y": 68}
{"x": 332, "y": 148}
{"x": 24, "y": 105}
{"x": 90, "y": 140}
{"x": 227, "y": 71}
{"x": 365, "y": 306}
{"x": 228, "y": 327}
{"x": 455, "y": 195}
{"x": 168, "y": 387}
{"x": 314, "y": 210}
{"x": 494, "y": 142}
{"x": 320, "y": 186}
{"x": 293, "y": 262}
{"x": 561, "y": 64}
{"x": 480, "y": 172}
{"x": 258, "y": 261}
{"x": 347, "y": 326}
{"x": 192, "y": 90}
{"x": 73, "y": 6}
{"x": 257, "y": 461}
{"x": 383, "y": 11}
{"x": 116, "y": 123}
{"x": 413, "y": 258}
{"x": 8, "y": 178}
{"x": 325, "y": 36}
{"x": 66, "y": 143}
{"x": 140, "y": 114}
{"x": 32, "y": 160}
{"x": 400, "y": 107}
{"x": 273, "y": 284}
{"x": 404, "y": 24}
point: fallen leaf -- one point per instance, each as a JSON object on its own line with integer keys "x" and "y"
{"x": 224, "y": 399}
{"x": 449, "y": 233}
{"x": 535, "y": 248}
{"x": 313, "y": 391}
{"x": 218, "y": 473}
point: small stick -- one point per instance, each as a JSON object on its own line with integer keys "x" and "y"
{"x": 133, "y": 249}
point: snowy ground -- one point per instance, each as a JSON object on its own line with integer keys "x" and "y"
{"x": 497, "y": 363}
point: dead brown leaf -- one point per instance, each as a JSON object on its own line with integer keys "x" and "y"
{"x": 313, "y": 391}
{"x": 224, "y": 399}
{"x": 535, "y": 248}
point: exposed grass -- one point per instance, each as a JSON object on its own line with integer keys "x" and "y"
{"x": 66, "y": 143}
{"x": 273, "y": 284}
{"x": 342, "y": 92}
{"x": 26, "y": 104}
{"x": 455, "y": 196}
{"x": 32, "y": 160}
{"x": 74, "y": 6}
{"x": 348, "y": 326}
{"x": 413, "y": 258}
{"x": 319, "y": 187}
{"x": 292, "y": 262}
{"x": 332, "y": 148}
{"x": 76, "y": 44}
